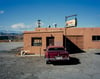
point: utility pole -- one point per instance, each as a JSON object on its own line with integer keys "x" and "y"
{"x": 66, "y": 25}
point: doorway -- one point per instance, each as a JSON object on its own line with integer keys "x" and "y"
{"x": 50, "y": 41}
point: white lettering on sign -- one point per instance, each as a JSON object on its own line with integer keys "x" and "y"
{"x": 71, "y": 22}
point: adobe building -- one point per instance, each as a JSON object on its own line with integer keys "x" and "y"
{"x": 74, "y": 39}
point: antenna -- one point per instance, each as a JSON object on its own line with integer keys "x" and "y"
{"x": 55, "y": 25}
{"x": 39, "y": 23}
{"x": 49, "y": 26}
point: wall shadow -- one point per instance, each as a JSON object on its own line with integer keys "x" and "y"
{"x": 72, "y": 61}
{"x": 71, "y": 47}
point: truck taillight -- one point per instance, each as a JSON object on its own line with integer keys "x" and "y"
{"x": 47, "y": 55}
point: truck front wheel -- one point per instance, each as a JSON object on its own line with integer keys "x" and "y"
{"x": 47, "y": 62}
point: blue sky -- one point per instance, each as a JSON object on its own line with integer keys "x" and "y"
{"x": 19, "y": 15}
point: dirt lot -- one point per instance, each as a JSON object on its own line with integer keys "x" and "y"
{"x": 5, "y": 46}
{"x": 81, "y": 66}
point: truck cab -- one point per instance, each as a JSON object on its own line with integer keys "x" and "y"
{"x": 56, "y": 53}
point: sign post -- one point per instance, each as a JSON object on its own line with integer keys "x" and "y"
{"x": 70, "y": 23}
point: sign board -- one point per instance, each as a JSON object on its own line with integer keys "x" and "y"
{"x": 71, "y": 23}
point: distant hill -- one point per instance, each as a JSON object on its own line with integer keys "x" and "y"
{"x": 10, "y": 33}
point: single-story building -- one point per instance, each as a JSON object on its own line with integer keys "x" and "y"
{"x": 74, "y": 39}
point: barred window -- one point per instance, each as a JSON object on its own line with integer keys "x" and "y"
{"x": 95, "y": 38}
{"x": 37, "y": 41}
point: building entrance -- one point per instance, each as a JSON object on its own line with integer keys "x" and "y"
{"x": 50, "y": 41}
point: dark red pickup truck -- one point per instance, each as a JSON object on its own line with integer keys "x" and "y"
{"x": 56, "y": 53}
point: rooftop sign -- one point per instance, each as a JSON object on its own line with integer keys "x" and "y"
{"x": 71, "y": 23}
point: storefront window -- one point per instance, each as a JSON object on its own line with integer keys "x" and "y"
{"x": 36, "y": 41}
{"x": 95, "y": 38}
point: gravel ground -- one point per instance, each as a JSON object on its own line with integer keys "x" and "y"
{"x": 81, "y": 66}
{"x": 5, "y": 46}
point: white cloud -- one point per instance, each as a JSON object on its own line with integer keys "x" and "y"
{"x": 19, "y": 26}
{"x": 1, "y": 11}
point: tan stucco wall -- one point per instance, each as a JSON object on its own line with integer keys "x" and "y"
{"x": 87, "y": 36}
{"x": 58, "y": 37}
{"x": 58, "y": 34}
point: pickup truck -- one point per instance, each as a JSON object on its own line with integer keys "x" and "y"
{"x": 56, "y": 53}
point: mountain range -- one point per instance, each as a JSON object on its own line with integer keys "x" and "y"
{"x": 3, "y": 32}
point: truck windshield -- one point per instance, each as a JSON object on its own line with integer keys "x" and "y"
{"x": 55, "y": 49}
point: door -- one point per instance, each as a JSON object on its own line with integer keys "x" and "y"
{"x": 50, "y": 41}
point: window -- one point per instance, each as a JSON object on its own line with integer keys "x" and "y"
{"x": 96, "y": 38}
{"x": 36, "y": 41}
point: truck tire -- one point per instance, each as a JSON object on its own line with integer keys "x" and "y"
{"x": 47, "y": 62}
